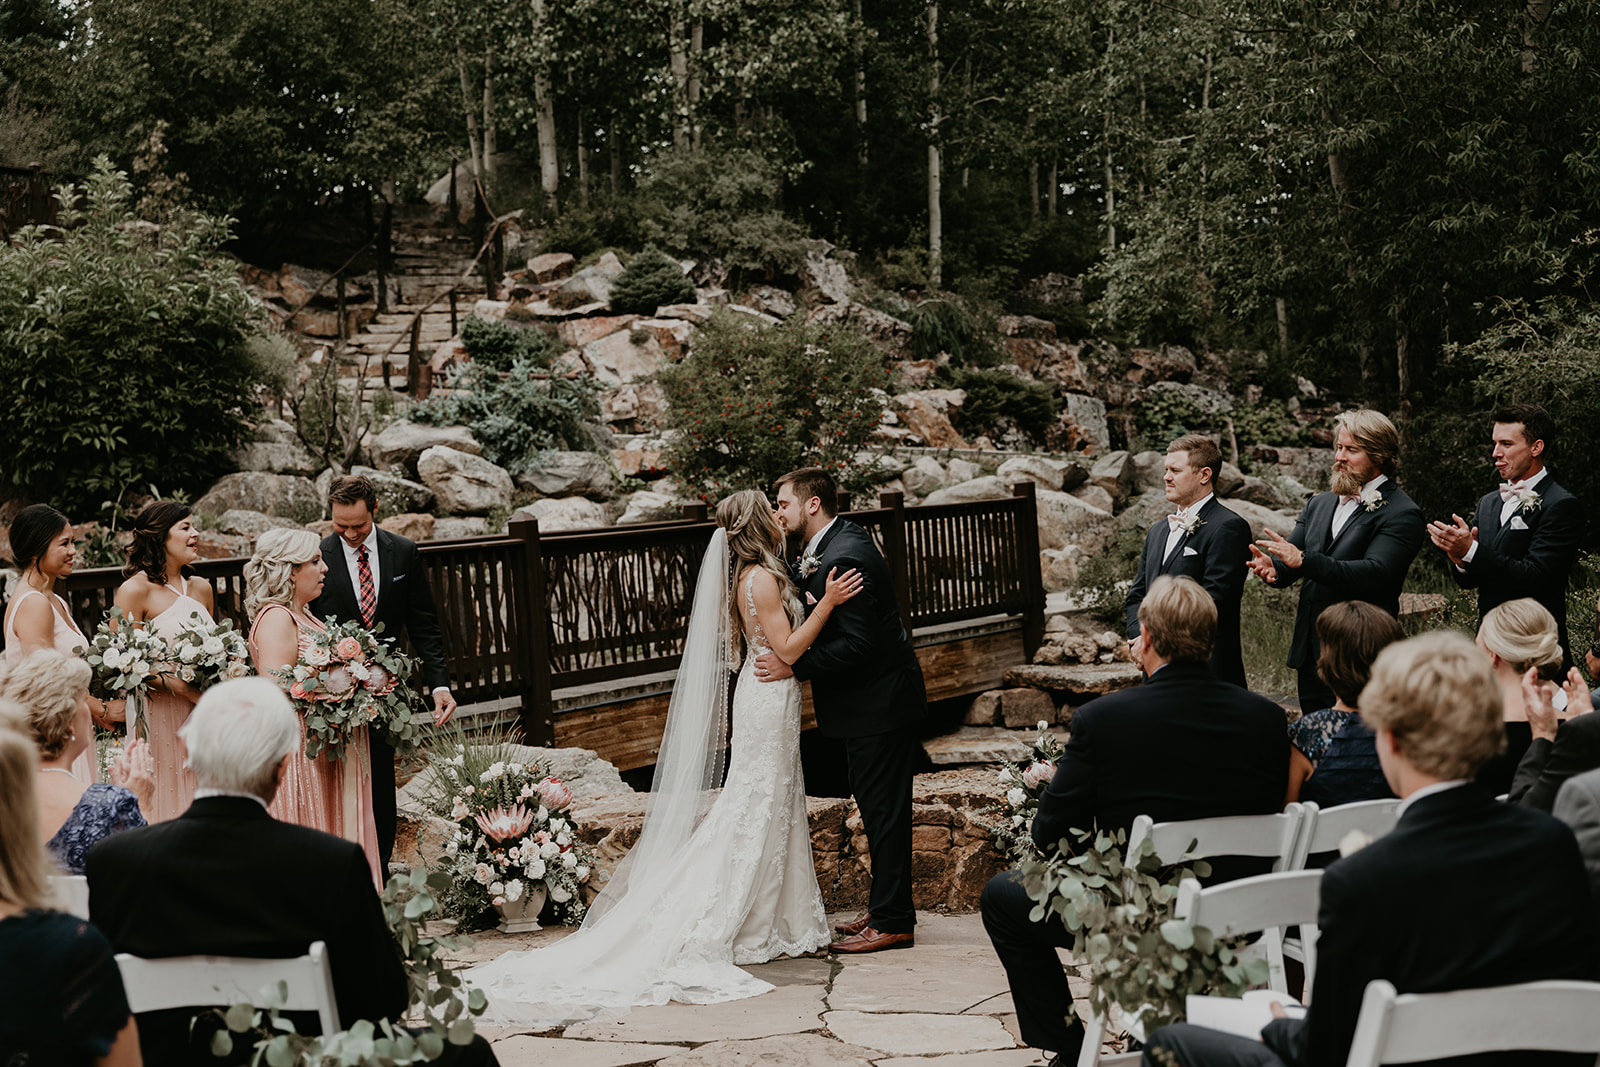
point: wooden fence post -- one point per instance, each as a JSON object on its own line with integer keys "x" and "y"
{"x": 694, "y": 512}
{"x": 533, "y": 641}
{"x": 894, "y": 550}
{"x": 1028, "y": 562}
{"x": 414, "y": 356}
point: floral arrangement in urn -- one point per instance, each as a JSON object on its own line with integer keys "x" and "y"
{"x": 514, "y": 840}
{"x": 348, "y": 679}
{"x": 1024, "y": 784}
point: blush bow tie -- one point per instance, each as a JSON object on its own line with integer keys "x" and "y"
{"x": 1509, "y": 490}
{"x": 1175, "y": 521}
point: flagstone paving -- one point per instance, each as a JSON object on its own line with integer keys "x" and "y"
{"x": 944, "y": 1000}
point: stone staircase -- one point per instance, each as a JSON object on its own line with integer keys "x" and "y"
{"x": 429, "y": 260}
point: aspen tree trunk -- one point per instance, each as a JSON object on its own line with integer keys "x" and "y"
{"x": 583, "y": 164}
{"x": 935, "y": 211}
{"x": 1110, "y": 173}
{"x": 1055, "y": 185}
{"x": 474, "y": 152}
{"x": 678, "y": 50}
{"x": 696, "y": 46}
{"x": 859, "y": 45}
{"x": 1033, "y": 190}
{"x": 489, "y": 146}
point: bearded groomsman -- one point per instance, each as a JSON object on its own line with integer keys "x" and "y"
{"x": 1355, "y": 542}
{"x": 1524, "y": 537}
{"x": 1202, "y": 540}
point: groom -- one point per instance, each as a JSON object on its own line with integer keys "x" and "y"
{"x": 866, "y": 687}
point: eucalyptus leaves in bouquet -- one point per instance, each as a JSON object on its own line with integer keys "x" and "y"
{"x": 124, "y": 657}
{"x": 349, "y": 678}
{"x": 1024, "y": 783}
{"x": 1142, "y": 959}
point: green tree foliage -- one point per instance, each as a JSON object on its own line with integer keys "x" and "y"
{"x": 125, "y": 350}
{"x": 1004, "y": 406}
{"x": 749, "y": 403}
{"x": 651, "y": 280}
{"x": 721, "y": 204}
{"x": 497, "y": 345}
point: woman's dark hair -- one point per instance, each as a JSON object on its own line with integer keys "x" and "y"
{"x": 32, "y": 531}
{"x": 1352, "y": 633}
{"x": 147, "y": 552}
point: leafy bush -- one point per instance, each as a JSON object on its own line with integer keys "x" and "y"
{"x": 1003, "y": 405}
{"x": 517, "y": 415}
{"x": 497, "y": 345}
{"x": 750, "y": 403}
{"x": 719, "y": 203}
{"x": 651, "y": 280}
{"x": 123, "y": 351}
{"x": 946, "y": 326}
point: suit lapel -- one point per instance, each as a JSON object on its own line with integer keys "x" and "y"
{"x": 388, "y": 560}
{"x": 1489, "y": 520}
{"x": 338, "y": 593}
{"x": 1362, "y": 515}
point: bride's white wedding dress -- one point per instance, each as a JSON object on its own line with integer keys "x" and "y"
{"x": 705, "y": 888}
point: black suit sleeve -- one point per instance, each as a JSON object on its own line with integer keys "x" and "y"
{"x": 1225, "y": 561}
{"x": 1547, "y": 764}
{"x": 1550, "y": 553}
{"x": 422, "y": 623}
{"x": 1345, "y": 965}
{"x": 1470, "y": 577}
{"x": 1384, "y": 564}
{"x": 847, "y": 643}
{"x": 1297, "y": 538}
{"x": 1137, "y": 591}
{"x": 1068, "y": 802}
{"x": 369, "y": 981}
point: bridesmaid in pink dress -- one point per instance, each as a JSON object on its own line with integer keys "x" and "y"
{"x": 159, "y": 595}
{"x": 42, "y": 545}
{"x": 282, "y": 578}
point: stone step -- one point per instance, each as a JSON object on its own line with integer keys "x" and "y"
{"x": 980, "y": 744}
{"x": 1078, "y": 682}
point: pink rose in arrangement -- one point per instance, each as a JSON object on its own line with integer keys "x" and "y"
{"x": 500, "y": 824}
{"x": 540, "y": 836}
{"x": 297, "y": 691}
{"x": 348, "y": 648}
{"x": 1038, "y": 773}
{"x": 555, "y": 793}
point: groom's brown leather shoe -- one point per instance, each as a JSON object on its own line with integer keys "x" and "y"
{"x": 854, "y": 926}
{"x": 870, "y": 940}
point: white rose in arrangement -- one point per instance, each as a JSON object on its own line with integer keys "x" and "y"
{"x": 517, "y": 768}
{"x": 236, "y": 669}
{"x": 112, "y": 659}
{"x": 498, "y": 889}
{"x": 495, "y": 770}
{"x": 542, "y": 814}
{"x": 483, "y": 875}
{"x": 318, "y": 656}
{"x": 514, "y": 889}
{"x": 190, "y": 653}
{"x": 459, "y": 810}
{"x": 569, "y": 861}
{"x": 359, "y": 670}
{"x": 140, "y": 668}
{"x": 212, "y": 646}
{"x": 535, "y": 870}
{"x": 301, "y": 673}
{"x": 557, "y": 825}
{"x": 560, "y": 895}
{"x": 1015, "y": 797}
{"x": 582, "y": 872}
{"x": 563, "y": 839}
{"x": 451, "y": 848}
{"x": 549, "y": 850}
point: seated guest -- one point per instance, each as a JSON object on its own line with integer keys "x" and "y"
{"x": 53, "y": 690}
{"x": 1558, "y": 750}
{"x": 1519, "y": 636}
{"x": 1332, "y": 757}
{"x": 1578, "y": 805}
{"x": 1464, "y": 893}
{"x": 1182, "y": 746}
{"x": 61, "y": 996}
{"x": 227, "y": 879}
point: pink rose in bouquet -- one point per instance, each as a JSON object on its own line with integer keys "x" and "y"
{"x": 348, "y": 648}
{"x": 1038, "y": 773}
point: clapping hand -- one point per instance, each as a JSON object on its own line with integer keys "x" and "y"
{"x": 1284, "y": 550}
{"x": 135, "y": 771}
{"x": 1541, "y": 711}
{"x": 1454, "y": 537}
{"x": 837, "y": 590}
{"x": 1578, "y": 700}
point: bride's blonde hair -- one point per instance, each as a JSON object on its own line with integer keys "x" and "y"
{"x": 269, "y": 574}
{"x": 753, "y": 539}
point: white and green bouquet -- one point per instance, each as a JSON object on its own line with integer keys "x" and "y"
{"x": 204, "y": 654}
{"x": 125, "y": 658}
{"x": 1024, "y": 783}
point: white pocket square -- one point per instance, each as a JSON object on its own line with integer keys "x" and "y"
{"x": 1517, "y": 523}
{"x": 397, "y": 578}
{"x": 810, "y": 599}
{"x": 1187, "y": 551}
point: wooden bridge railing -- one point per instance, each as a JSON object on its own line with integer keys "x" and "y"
{"x": 524, "y": 614}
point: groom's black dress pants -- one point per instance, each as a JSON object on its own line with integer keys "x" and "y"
{"x": 881, "y": 768}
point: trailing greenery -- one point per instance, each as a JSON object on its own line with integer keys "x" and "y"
{"x": 497, "y": 345}
{"x": 518, "y": 414}
{"x": 947, "y": 327}
{"x": 124, "y": 350}
{"x": 1142, "y": 959}
{"x": 1003, "y": 406}
{"x": 750, "y": 403}
{"x": 651, "y": 280}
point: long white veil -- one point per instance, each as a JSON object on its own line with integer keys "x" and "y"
{"x": 694, "y": 745}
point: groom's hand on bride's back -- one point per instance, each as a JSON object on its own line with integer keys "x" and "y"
{"x": 769, "y": 668}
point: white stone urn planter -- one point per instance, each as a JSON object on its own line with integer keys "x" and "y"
{"x": 521, "y": 916}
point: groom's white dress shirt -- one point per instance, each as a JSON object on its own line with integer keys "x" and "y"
{"x": 811, "y": 545}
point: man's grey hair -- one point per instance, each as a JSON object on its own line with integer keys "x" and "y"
{"x": 238, "y": 734}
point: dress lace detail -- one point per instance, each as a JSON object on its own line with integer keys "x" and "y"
{"x": 101, "y": 811}
{"x": 744, "y": 891}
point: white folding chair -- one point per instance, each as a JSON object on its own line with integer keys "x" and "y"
{"x": 1235, "y": 835}
{"x": 1551, "y": 1016}
{"x": 1324, "y": 830}
{"x": 72, "y": 893}
{"x": 213, "y": 981}
{"x": 1266, "y": 903}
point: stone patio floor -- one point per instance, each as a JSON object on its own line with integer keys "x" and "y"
{"x": 943, "y": 1000}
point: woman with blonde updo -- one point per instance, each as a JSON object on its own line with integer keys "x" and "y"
{"x": 52, "y": 689}
{"x": 1521, "y": 639}
{"x": 280, "y": 580}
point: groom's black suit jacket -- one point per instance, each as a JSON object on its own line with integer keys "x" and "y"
{"x": 1367, "y": 561}
{"x": 1529, "y": 556}
{"x": 1214, "y": 555}
{"x": 227, "y": 879}
{"x": 864, "y": 675}
{"x": 1464, "y": 893}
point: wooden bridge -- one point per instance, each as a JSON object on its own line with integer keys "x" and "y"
{"x": 577, "y": 635}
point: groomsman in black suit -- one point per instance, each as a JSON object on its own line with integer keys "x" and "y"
{"x": 1517, "y": 906}
{"x": 375, "y": 577}
{"x": 1202, "y": 540}
{"x": 1355, "y": 542}
{"x": 866, "y": 687}
{"x": 227, "y": 879}
{"x": 1524, "y": 537}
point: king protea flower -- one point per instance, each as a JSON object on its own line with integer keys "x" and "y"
{"x": 502, "y": 825}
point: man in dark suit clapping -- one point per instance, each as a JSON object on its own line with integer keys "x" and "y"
{"x": 1464, "y": 893}
{"x": 866, "y": 687}
{"x": 1355, "y": 542}
{"x": 1524, "y": 536}
{"x": 375, "y": 576}
{"x": 1202, "y": 540}
{"x": 1182, "y": 746}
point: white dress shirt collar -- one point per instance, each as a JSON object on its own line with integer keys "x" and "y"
{"x": 205, "y": 792}
{"x": 353, "y": 565}
{"x": 1427, "y": 791}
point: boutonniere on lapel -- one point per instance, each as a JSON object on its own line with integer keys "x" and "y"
{"x": 1528, "y": 500}
{"x": 1190, "y": 523}
{"x": 808, "y": 564}
{"x": 1371, "y": 499}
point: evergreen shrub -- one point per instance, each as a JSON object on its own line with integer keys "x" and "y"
{"x": 651, "y": 280}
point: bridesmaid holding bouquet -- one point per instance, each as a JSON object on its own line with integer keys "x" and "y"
{"x": 159, "y": 594}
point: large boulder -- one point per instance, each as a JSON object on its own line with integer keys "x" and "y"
{"x": 286, "y": 496}
{"x": 591, "y": 285}
{"x": 924, "y": 477}
{"x": 1116, "y": 473}
{"x": 647, "y": 506}
{"x": 251, "y": 524}
{"x": 617, "y": 360}
{"x": 463, "y": 484}
{"x": 581, "y": 332}
{"x": 551, "y": 266}
{"x": 1097, "y": 496}
{"x": 672, "y": 335}
{"x": 1169, "y": 363}
{"x": 926, "y": 417}
{"x": 400, "y": 444}
{"x": 1260, "y": 491}
{"x": 565, "y": 513}
{"x": 1228, "y": 479}
{"x": 637, "y": 406}
{"x": 826, "y": 276}
{"x": 447, "y": 528}
{"x": 413, "y": 526}
{"x": 1043, "y": 472}
{"x": 1260, "y": 518}
{"x": 1081, "y": 426}
{"x": 770, "y": 300}
{"x": 989, "y": 488}
{"x": 560, "y": 474}
{"x": 1150, "y": 469}
{"x": 962, "y": 470}
{"x": 396, "y": 495}
{"x": 275, "y": 447}
{"x": 1206, "y": 401}
{"x": 1065, "y": 520}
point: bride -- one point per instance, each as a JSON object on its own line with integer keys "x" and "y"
{"x": 716, "y": 879}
